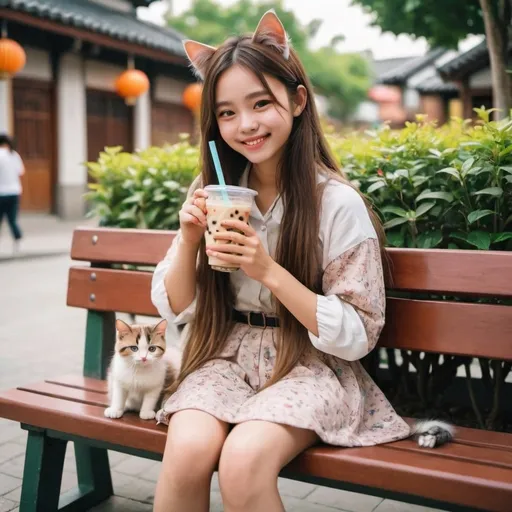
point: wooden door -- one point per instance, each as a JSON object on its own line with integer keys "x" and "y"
{"x": 109, "y": 123}
{"x": 35, "y": 136}
{"x": 168, "y": 120}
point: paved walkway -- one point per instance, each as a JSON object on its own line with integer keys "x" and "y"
{"x": 41, "y": 337}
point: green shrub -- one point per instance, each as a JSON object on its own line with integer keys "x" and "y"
{"x": 448, "y": 186}
{"x": 144, "y": 189}
{"x": 436, "y": 187}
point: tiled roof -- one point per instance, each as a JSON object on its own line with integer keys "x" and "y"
{"x": 98, "y": 18}
{"x": 465, "y": 61}
{"x": 399, "y": 75}
{"x": 435, "y": 84}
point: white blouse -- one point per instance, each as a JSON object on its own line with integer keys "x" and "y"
{"x": 344, "y": 225}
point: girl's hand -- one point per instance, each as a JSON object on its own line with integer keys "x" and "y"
{"x": 244, "y": 249}
{"x": 193, "y": 218}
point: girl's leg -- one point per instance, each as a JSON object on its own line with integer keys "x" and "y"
{"x": 192, "y": 450}
{"x": 252, "y": 457}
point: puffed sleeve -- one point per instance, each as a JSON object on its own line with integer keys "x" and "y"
{"x": 350, "y": 312}
{"x": 159, "y": 295}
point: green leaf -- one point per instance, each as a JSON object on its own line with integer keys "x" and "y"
{"x": 508, "y": 179}
{"x": 424, "y": 208}
{"x": 445, "y": 196}
{"x": 466, "y": 166}
{"x": 500, "y": 237}
{"x": 479, "y": 239}
{"x": 417, "y": 181}
{"x": 491, "y": 191}
{"x": 478, "y": 214}
{"x": 394, "y": 209}
{"x": 506, "y": 169}
{"x": 451, "y": 171}
{"x": 135, "y": 198}
{"x": 395, "y": 222}
{"x": 506, "y": 151}
{"x": 395, "y": 238}
{"x": 430, "y": 239}
{"x": 375, "y": 186}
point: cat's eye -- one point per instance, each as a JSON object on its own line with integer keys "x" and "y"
{"x": 134, "y": 348}
{"x": 152, "y": 349}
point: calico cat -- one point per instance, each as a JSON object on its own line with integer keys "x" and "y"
{"x": 140, "y": 369}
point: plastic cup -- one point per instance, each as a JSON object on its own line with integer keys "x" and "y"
{"x": 238, "y": 207}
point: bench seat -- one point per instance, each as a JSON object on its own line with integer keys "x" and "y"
{"x": 474, "y": 472}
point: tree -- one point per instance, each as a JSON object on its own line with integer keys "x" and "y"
{"x": 446, "y": 22}
{"x": 343, "y": 79}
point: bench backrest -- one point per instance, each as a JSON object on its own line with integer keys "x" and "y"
{"x": 457, "y": 327}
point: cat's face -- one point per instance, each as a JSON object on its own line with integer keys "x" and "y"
{"x": 142, "y": 344}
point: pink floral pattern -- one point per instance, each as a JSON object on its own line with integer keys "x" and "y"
{"x": 337, "y": 399}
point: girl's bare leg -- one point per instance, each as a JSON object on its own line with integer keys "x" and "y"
{"x": 192, "y": 451}
{"x": 252, "y": 457}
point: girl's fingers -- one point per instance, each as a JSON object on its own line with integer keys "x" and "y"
{"x": 200, "y": 193}
{"x": 200, "y": 202}
{"x": 228, "y": 258}
{"x": 235, "y": 237}
{"x": 240, "y": 225}
{"x": 195, "y": 212}
{"x": 228, "y": 248}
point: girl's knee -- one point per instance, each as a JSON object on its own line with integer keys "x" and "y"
{"x": 244, "y": 470}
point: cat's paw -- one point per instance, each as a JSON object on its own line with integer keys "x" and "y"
{"x": 147, "y": 415}
{"x": 112, "y": 412}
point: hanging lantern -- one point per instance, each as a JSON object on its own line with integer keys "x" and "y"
{"x": 192, "y": 97}
{"x": 132, "y": 83}
{"x": 12, "y": 58}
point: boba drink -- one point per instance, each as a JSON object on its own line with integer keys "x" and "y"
{"x": 237, "y": 207}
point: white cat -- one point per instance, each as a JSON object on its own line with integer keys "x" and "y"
{"x": 140, "y": 369}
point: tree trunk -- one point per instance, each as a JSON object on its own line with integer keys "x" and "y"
{"x": 496, "y": 23}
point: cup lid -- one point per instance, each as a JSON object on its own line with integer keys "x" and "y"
{"x": 233, "y": 189}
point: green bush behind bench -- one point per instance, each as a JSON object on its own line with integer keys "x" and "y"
{"x": 446, "y": 187}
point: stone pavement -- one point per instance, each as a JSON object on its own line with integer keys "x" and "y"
{"x": 40, "y": 337}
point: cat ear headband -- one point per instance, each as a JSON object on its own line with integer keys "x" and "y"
{"x": 270, "y": 31}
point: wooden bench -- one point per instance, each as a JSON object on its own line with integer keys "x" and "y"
{"x": 472, "y": 473}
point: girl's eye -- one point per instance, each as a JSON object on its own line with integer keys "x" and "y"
{"x": 152, "y": 349}
{"x": 134, "y": 348}
{"x": 226, "y": 113}
{"x": 262, "y": 103}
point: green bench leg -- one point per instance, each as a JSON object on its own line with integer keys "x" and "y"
{"x": 42, "y": 476}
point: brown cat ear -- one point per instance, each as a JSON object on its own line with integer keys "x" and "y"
{"x": 160, "y": 327}
{"x": 123, "y": 327}
{"x": 198, "y": 54}
{"x": 270, "y": 31}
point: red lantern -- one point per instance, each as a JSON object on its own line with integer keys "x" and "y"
{"x": 192, "y": 97}
{"x": 131, "y": 84}
{"x": 12, "y": 58}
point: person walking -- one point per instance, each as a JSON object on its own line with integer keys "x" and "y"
{"x": 11, "y": 169}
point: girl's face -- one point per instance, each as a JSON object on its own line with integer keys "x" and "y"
{"x": 249, "y": 120}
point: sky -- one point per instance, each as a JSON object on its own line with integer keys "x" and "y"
{"x": 338, "y": 18}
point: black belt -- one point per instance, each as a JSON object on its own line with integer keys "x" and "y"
{"x": 255, "y": 319}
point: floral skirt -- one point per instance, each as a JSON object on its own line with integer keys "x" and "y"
{"x": 336, "y": 399}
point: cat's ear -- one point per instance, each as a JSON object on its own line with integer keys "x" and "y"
{"x": 270, "y": 31}
{"x": 199, "y": 55}
{"x": 160, "y": 327}
{"x": 122, "y": 327}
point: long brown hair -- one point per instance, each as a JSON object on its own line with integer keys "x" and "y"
{"x": 306, "y": 152}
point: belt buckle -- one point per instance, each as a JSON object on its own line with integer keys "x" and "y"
{"x": 262, "y": 316}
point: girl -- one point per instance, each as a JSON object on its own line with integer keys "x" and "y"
{"x": 11, "y": 169}
{"x": 270, "y": 364}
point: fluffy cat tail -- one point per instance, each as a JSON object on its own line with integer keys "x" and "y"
{"x": 432, "y": 433}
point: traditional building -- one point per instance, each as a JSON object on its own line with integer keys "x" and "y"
{"x": 62, "y": 107}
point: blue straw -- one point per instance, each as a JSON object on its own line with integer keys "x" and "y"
{"x": 218, "y": 170}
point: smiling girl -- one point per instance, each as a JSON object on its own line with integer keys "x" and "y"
{"x": 270, "y": 365}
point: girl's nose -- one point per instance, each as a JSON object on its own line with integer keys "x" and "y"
{"x": 248, "y": 124}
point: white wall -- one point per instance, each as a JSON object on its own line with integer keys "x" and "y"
{"x": 481, "y": 78}
{"x": 5, "y": 106}
{"x": 142, "y": 122}
{"x": 99, "y": 75}
{"x": 37, "y": 66}
{"x": 169, "y": 90}
{"x": 72, "y": 121}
